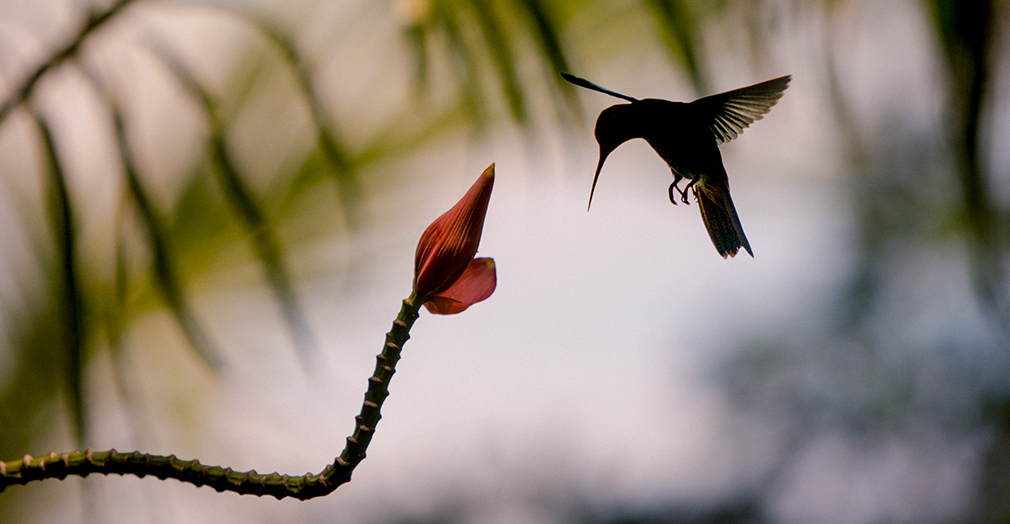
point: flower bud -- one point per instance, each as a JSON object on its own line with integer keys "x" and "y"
{"x": 446, "y": 252}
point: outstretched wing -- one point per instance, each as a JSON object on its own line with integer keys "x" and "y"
{"x": 731, "y": 112}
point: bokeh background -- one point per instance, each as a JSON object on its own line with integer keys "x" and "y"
{"x": 208, "y": 212}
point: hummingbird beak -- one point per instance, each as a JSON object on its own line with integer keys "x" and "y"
{"x": 604, "y": 153}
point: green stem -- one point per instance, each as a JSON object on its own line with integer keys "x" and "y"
{"x": 303, "y": 487}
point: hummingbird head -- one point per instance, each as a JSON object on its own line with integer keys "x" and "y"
{"x": 614, "y": 127}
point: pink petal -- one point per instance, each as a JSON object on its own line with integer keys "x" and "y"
{"x": 449, "y": 244}
{"x": 474, "y": 285}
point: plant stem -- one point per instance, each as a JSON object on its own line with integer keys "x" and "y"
{"x": 83, "y": 463}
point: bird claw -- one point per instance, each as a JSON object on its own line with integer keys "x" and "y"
{"x": 683, "y": 194}
{"x": 690, "y": 185}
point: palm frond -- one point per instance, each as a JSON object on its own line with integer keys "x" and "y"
{"x": 244, "y": 206}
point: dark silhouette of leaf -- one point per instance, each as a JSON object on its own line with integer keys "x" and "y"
{"x": 164, "y": 271}
{"x": 466, "y": 62}
{"x": 497, "y": 40}
{"x": 69, "y": 301}
{"x": 677, "y": 26}
{"x": 417, "y": 37}
{"x": 333, "y": 148}
{"x": 965, "y": 30}
{"x": 33, "y": 379}
{"x": 92, "y": 24}
{"x": 547, "y": 37}
{"x": 240, "y": 199}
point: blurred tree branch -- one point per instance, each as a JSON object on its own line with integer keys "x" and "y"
{"x": 94, "y": 22}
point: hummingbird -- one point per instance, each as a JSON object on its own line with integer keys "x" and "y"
{"x": 687, "y": 137}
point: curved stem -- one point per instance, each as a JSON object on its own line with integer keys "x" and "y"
{"x": 303, "y": 487}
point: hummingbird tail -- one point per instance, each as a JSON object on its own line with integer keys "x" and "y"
{"x": 721, "y": 220}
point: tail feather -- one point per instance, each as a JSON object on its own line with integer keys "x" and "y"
{"x": 721, "y": 220}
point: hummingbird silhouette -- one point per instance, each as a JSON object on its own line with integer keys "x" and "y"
{"x": 687, "y": 137}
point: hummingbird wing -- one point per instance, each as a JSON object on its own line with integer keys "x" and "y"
{"x": 729, "y": 113}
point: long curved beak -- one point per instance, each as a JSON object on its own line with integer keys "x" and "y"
{"x": 604, "y": 153}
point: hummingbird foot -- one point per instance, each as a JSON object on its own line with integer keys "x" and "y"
{"x": 673, "y": 187}
{"x": 683, "y": 194}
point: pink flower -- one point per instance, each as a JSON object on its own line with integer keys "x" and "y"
{"x": 447, "y": 277}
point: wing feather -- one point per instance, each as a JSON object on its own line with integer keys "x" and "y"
{"x": 733, "y": 111}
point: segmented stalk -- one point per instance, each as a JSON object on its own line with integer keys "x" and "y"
{"x": 302, "y": 487}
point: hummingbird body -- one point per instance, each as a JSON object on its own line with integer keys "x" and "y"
{"x": 687, "y": 137}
